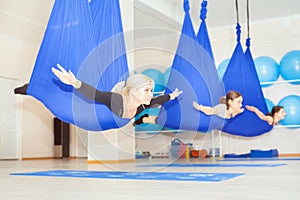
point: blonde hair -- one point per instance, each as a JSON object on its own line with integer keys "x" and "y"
{"x": 136, "y": 81}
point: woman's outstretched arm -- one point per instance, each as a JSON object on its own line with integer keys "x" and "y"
{"x": 112, "y": 100}
{"x": 260, "y": 114}
{"x": 205, "y": 109}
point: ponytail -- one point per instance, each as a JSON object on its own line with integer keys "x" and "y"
{"x": 269, "y": 114}
{"x": 222, "y": 100}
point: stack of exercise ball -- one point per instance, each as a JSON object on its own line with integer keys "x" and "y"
{"x": 291, "y": 104}
{"x": 267, "y": 70}
{"x": 290, "y": 66}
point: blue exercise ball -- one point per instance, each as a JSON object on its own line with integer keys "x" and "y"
{"x": 267, "y": 69}
{"x": 158, "y": 77}
{"x": 289, "y": 66}
{"x": 149, "y": 111}
{"x": 291, "y": 106}
{"x": 222, "y": 68}
{"x": 149, "y": 128}
{"x": 270, "y": 104}
{"x": 167, "y": 75}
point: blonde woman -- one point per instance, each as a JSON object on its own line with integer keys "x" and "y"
{"x": 129, "y": 99}
{"x": 229, "y": 107}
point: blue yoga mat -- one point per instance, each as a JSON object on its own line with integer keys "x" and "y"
{"x": 170, "y": 176}
{"x": 212, "y": 165}
{"x": 258, "y": 159}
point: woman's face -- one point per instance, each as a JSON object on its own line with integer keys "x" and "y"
{"x": 236, "y": 104}
{"x": 144, "y": 94}
{"x": 280, "y": 114}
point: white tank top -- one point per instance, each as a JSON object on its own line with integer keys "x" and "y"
{"x": 220, "y": 110}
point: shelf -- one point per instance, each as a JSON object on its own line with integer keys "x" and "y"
{"x": 278, "y": 82}
{"x": 161, "y": 131}
{"x": 287, "y": 126}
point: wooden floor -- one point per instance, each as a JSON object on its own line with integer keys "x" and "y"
{"x": 282, "y": 183}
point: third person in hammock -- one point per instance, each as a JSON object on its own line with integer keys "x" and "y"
{"x": 273, "y": 117}
{"x": 230, "y": 106}
{"x": 127, "y": 100}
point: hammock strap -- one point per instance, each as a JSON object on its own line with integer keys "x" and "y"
{"x": 238, "y": 26}
{"x": 237, "y": 11}
{"x": 248, "y": 26}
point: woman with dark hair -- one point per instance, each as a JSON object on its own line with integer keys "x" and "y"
{"x": 272, "y": 117}
{"x": 230, "y": 106}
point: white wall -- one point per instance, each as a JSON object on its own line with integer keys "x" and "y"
{"x": 22, "y": 26}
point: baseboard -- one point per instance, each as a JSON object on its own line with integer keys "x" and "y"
{"x": 289, "y": 155}
{"x": 110, "y": 161}
{"x": 40, "y": 158}
{"x": 126, "y": 160}
{"x": 49, "y": 158}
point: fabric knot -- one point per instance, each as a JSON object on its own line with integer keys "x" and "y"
{"x": 248, "y": 42}
{"x": 238, "y": 32}
{"x": 203, "y": 10}
{"x": 186, "y": 6}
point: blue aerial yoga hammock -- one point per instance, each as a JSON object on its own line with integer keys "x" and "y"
{"x": 209, "y": 67}
{"x": 91, "y": 45}
{"x": 193, "y": 71}
{"x": 111, "y": 52}
{"x": 202, "y": 35}
{"x": 241, "y": 76}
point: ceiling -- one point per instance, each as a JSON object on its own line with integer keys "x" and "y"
{"x": 147, "y": 13}
{"x": 220, "y": 12}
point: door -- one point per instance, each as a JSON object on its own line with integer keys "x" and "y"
{"x": 9, "y": 120}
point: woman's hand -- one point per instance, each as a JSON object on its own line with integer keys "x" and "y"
{"x": 66, "y": 77}
{"x": 150, "y": 119}
{"x": 196, "y": 105}
{"x": 251, "y": 108}
{"x": 206, "y": 109}
{"x": 175, "y": 94}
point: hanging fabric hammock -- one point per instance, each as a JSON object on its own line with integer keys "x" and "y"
{"x": 202, "y": 35}
{"x": 111, "y": 52}
{"x": 74, "y": 39}
{"x": 241, "y": 76}
{"x": 194, "y": 72}
{"x": 209, "y": 67}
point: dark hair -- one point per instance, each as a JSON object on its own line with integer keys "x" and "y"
{"x": 231, "y": 95}
{"x": 274, "y": 110}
